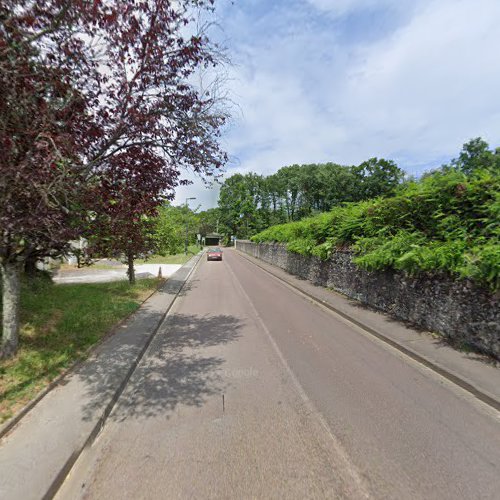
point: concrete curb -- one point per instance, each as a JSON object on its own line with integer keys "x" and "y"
{"x": 20, "y": 450}
{"x": 102, "y": 420}
{"x": 458, "y": 379}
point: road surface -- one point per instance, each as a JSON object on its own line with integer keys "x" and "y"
{"x": 251, "y": 391}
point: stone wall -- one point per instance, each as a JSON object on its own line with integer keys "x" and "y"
{"x": 460, "y": 310}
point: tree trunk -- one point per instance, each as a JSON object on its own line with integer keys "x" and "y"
{"x": 11, "y": 294}
{"x": 30, "y": 267}
{"x": 131, "y": 270}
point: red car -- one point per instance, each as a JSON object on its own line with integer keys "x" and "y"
{"x": 214, "y": 253}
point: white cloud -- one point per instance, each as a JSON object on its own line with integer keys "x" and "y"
{"x": 432, "y": 84}
{"x": 415, "y": 92}
{"x": 342, "y": 7}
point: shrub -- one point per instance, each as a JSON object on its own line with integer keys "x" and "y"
{"x": 447, "y": 221}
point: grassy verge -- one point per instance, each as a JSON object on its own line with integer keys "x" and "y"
{"x": 60, "y": 323}
{"x": 179, "y": 258}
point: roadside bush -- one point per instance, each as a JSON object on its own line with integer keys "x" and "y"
{"x": 448, "y": 221}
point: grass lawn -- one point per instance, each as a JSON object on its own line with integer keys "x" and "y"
{"x": 59, "y": 325}
{"x": 97, "y": 265}
{"x": 180, "y": 258}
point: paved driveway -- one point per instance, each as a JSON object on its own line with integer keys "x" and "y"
{"x": 95, "y": 275}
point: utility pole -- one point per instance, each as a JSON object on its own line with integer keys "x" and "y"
{"x": 187, "y": 222}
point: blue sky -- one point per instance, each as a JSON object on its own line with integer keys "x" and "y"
{"x": 346, "y": 80}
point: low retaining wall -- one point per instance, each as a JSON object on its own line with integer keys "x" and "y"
{"x": 459, "y": 310}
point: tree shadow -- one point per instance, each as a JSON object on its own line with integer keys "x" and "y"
{"x": 464, "y": 346}
{"x": 467, "y": 349}
{"x": 192, "y": 284}
{"x": 179, "y": 367}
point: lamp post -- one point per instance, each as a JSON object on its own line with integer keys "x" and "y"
{"x": 187, "y": 222}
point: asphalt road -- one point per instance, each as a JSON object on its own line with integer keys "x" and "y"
{"x": 251, "y": 391}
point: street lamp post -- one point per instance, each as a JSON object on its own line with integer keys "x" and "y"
{"x": 187, "y": 222}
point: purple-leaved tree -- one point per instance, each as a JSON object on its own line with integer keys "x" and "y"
{"x": 97, "y": 121}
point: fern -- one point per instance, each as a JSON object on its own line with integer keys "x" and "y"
{"x": 446, "y": 222}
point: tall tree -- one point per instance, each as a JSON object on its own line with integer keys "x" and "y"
{"x": 338, "y": 184}
{"x": 377, "y": 177}
{"x": 288, "y": 181}
{"x": 124, "y": 211}
{"x": 40, "y": 134}
{"x": 209, "y": 221}
{"x": 86, "y": 90}
{"x": 476, "y": 155}
{"x": 241, "y": 200}
{"x": 170, "y": 228}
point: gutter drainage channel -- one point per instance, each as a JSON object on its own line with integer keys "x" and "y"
{"x": 457, "y": 380}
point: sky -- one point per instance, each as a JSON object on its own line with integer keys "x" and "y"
{"x": 315, "y": 81}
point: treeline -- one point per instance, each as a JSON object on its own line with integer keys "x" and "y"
{"x": 250, "y": 203}
{"x": 448, "y": 221}
{"x": 173, "y": 227}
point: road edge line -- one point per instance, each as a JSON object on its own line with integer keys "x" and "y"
{"x": 11, "y": 423}
{"x": 68, "y": 466}
{"x": 432, "y": 365}
{"x": 352, "y": 470}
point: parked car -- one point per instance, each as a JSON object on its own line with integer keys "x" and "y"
{"x": 214, "y": 253}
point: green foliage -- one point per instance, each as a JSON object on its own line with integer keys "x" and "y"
{"x": 449, "y": 221}
{"x": 482, "y": 263}
{"x": 208, "y": 221}
{"x": 180, "y": 258}
{"x": 377, "y": 177}
{"x": 243, "y": 205}
{"x": 170, "y": 229}
{"x": 250, "y": 203}
{"x": 59, "y": 324}
{"x": 476, "y": 155}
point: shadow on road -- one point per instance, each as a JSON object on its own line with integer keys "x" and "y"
{"x": 188, "y": 287}
{"x": 180, "y": 367}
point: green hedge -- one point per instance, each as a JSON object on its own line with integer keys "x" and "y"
{"x": 447, "y": 221}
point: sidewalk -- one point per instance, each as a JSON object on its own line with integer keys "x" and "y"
{"x": 39, "y": 451}
{"x": 469, "y": 370}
